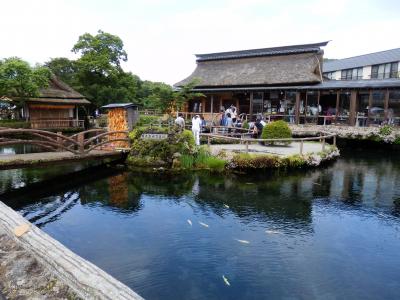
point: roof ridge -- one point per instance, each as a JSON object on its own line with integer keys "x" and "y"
{"x": 320, "y": 44}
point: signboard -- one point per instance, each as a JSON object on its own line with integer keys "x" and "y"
{"x": 154, "y": 136}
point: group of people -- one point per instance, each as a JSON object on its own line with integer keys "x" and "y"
{"x": 228, "y": 117}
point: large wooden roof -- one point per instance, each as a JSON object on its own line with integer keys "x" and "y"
{"x": 303, "y": 68}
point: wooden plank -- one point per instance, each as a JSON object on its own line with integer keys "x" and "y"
{"x": 86, "y": 279}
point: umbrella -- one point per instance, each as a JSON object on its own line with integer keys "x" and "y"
{"x": 375, "y": 110}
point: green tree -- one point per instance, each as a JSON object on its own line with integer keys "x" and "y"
{"x": 64, "y": 68}
{"x": 100, "y": 54}
{"x": 19, "y": 80}
{"x": 185, "y": 93}
{"x": 156, "y": 95}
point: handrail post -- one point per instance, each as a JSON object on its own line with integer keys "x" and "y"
{"x": 323, "y": 144}
{"x": 334, "y": 140}
{"x": 301, "y": 147}
{"x": 59, "y": 142}
{"x": 208, "y": 140}
{"x": 247, "y": 146}
{"x": 81, "y": 138}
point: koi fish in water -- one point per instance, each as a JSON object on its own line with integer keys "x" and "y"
{"x": 190, "y": 222}
{"x": 203, "y": 224}
{"x": 272, "y": 232}
{"x": 226, "y": 280}
{"x": 243, "y": 241}
{"x": 226, "y": 206}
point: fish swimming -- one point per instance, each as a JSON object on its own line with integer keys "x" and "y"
{"x": 272, "y": 232}
{"x": 203, "y": 224}
{"x": 226, "y": 280}
{"x": 226, "y": 206}
{"x": 190, "y": 222}
{"x": 243, "y": 241}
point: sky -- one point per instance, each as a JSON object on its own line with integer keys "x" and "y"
{"x": 161, "y": 37}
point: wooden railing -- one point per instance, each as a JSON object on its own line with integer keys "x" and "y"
{"x": 77, "y": 143}
{"x": 228, "y": 133}
{"x": 56, "y": 123}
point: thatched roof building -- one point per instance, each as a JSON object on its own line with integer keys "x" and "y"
{"x": 56, "y": 106}
{"x": 299, "y": 64}
{"x": 59, "y": 92}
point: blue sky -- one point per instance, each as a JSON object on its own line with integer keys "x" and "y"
{"x": 162, "y": 36}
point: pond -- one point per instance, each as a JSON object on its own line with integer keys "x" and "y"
{"x": 331, "y": 233}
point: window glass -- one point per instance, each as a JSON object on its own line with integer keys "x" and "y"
{"x": 394, "y": 107}
{"x": 394, "y": 70}
{"x": 374, "y": 71}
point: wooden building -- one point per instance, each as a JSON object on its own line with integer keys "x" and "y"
{"x": 288, "y": 83}
{"x": 56, "y": 107}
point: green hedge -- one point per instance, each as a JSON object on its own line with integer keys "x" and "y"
{"x": 15, "y": 124}
{"x": 277, "y": 130}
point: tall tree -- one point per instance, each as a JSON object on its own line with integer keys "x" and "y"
{"x": 64, "y": 68}
{"x": 19, "y": 80}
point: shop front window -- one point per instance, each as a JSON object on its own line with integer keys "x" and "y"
{"x": 377, "y": 111}
{"x": 394, "y": 108}
{"x": 362, "y": 108}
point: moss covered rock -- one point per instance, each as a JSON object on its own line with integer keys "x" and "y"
{"x": 159, "y": 152}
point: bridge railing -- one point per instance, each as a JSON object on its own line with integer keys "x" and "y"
{"x": 80, "y": 143}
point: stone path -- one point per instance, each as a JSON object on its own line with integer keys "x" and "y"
{"x": 293, "y": 148}
{"x": 31, "y": 159}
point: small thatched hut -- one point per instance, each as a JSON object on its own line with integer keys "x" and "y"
{"x": 56, "y": 107}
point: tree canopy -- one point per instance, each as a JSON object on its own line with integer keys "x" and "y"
{"x": 98, "y": 75}
{"x": 18, "y": 79}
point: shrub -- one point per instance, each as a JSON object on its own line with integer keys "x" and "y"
{"x": 147, "y": 120}
{"x": 15, "y": 124}
{"x": 245, "y": 125}
{"x": 385, "y": 130}
{"x": 215, "y": 163}
{"x": 277, "y": 130}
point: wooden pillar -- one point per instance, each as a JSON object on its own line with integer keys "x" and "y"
{"x": 305, "y": 107}
{"x": 353, "y": 105}
{"x": 220, "y": 103}
{"x": 386, "y": 104}
{"x": 318, "y": 98}
{"x": 203, "y": 105}
{"x": 297, "y": 108}
{"x": 337, "y": 104}
{"x": 369, "y": 106}
{"x": 251, "y": 106}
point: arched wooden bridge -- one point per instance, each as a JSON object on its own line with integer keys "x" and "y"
{"x": 81, "y": 143}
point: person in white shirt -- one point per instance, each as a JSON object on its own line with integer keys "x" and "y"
{"x": 196, "y": 126}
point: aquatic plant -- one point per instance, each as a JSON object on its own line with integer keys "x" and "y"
{"x": 186, "y": 161}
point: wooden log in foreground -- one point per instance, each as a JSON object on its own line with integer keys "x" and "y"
{"x": 86, "y": 279}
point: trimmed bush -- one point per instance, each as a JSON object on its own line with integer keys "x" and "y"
{"x": 145, "y": 120}
{"x": 276, "y": 130}
{"x": 15, "y": 124}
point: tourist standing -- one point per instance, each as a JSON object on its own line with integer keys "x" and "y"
{"x": 196, "y": 125}
{"x": 180, "y": 121}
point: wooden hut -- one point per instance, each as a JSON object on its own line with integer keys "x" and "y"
{"x": 56, "y": 107}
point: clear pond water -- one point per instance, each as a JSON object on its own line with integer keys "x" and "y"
{"x": 331, "y": 233}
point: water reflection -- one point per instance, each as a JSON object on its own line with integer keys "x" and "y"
{"x": 309, "y": 232}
